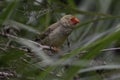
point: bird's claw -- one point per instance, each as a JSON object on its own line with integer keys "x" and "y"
{"x": 55, "y": 49}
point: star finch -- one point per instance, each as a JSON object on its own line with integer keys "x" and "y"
{"x": 57, "y": 33}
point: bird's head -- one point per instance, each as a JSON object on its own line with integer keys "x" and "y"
{"x": 69, "y": 20}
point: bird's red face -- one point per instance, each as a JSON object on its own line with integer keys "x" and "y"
{"x": 74, "y": 20}
{"x": 69, "y": 20}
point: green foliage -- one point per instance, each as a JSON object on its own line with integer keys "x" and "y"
{"x": 8, "y": 11}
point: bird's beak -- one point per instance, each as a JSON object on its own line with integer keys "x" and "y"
{"x": 75, "y": 20}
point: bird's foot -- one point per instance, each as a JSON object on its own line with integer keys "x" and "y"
{"x": 55, "y": 49}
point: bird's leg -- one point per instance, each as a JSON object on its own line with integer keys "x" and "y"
{"x": 68, "y": 43}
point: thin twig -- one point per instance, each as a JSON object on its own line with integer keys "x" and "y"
{"x": 48, "y": 47}
{"x": 110, "y": 49}
{"x": 104, "y": 50}
{"x": 25, "y": 48}
{"x": 3, "y": 49}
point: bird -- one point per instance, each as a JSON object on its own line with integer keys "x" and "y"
{"x": 56, "y": 34}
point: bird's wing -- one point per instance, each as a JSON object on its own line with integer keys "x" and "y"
{"x": 49, "y": 30}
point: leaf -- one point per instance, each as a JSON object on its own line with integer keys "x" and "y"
{"x": 8, "y": 11}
